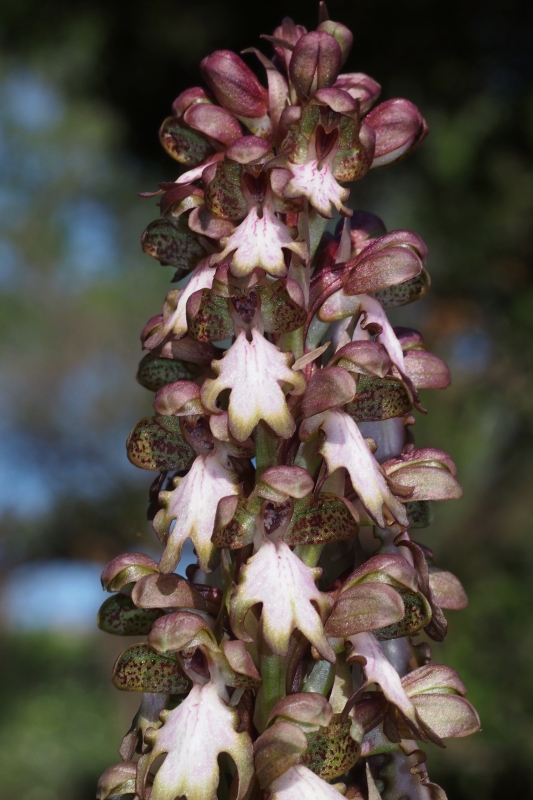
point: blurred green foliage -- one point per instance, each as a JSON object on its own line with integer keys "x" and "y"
{"x": 83, "y": 89}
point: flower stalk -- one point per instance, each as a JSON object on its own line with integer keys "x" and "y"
{"x": 293, "y": 659}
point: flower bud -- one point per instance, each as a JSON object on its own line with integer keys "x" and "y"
{"x": 399, "y": 128}
{"x": 234, "y": 84}
{"x": 127, "y": 568}
{"x": 188, "y": 98}
{"x": 315, "y": 63}
{"x": 341, "y": 34}
{"x": 361, "y": 87}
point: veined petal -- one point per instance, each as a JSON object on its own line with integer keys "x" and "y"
{"x": 193, "y": 504}
{"x": 254, "y": 371}
{"x": 299, "y": 783}
{"x": 278, "y": 579}
{"x": 193, "y": 736}
{"x": 319, "y": 186}
{"x": 344, "y": 446}
{"x": 259, "y": 241}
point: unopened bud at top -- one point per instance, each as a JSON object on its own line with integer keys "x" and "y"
{"x": 315, "y": 63}
{"x": 234, "y": 84}
{"x": 341, "y": 34}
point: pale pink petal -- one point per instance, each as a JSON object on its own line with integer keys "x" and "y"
{"x": 259, "y": 241}
{"x": 195, "y": 173}
{"x": 193, "y": 504}
{"x": 319, "y": 186}
{"x": 339, "y": 306}
{"x": 278, "y": 579}
{"x": 378, "y": 669}
{"x": 254, "y": 371}
{"x": 299, "y": 783}
{"x": 193, "y": 736}
{"x": 201, "y": 278}
{"x": 344, "y": 446}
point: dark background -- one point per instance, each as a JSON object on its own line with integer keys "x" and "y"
{"x": 83, "y": 89}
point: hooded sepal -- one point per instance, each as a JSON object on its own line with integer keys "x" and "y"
{"x": 364, "y": 607}
{"x": 185, "y": 145}
{"x": 120, "y": 616}
{"x": 117, "y": 781}
{"x": 158, "y": 443}
{"x": 437, "y": 692}
{"x": 193, "y": 504}
{"x": 208, "y": 317}
{"x": 167, "y": 590}
{"x": 276, "y": 750}
{"x": 328, "y": 518}
{"x": 155, "y": 372}
{"x": 191, "y": 738}
{"x": 254, "y": 371}
{"x": 171, "y": 243}
{"x": 285, "y": 586}
{"x": 429, "y": 472}
{"x": 399, "y": 128}
{"x": 125, "y": 569}
{"x": 399, "y": 576}
{"x": 401, "y": 294}
{"x": 141, "y": 669}
{"x": 331, "y": 751}
{"x": 447, "y": 590}
{"x": 379, "y": 398}
{"x": 392, "y": 259}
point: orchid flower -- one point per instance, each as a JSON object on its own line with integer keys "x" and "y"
{"x": 286, "y": 657}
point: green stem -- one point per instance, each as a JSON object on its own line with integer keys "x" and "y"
{"x": 273, "y": 671}
{"x": 321, "y": 678}
{"x": 293, "y": 341}
{"x": 267, "y": 445}
{"x": 309, "y": 553}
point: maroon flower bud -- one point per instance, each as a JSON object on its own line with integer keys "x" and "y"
{"x": 213, "y": 121}
{"x": 399, "y": 128}
{"x": 341, "y": 34}
{"x": 315, "y": 63}
{"x": 188, "y": 98}
{"x": 234, "y": 84}
{"x": 361, "y": 87}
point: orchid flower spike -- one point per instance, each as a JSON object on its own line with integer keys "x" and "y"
{"x": 284, "y": 400}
